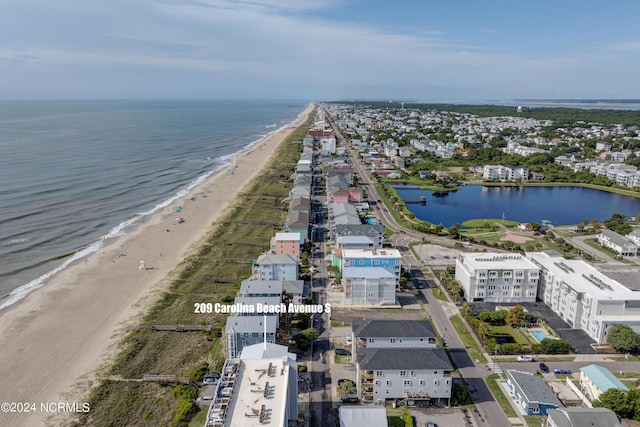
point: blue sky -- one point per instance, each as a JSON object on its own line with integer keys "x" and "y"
{"x": 322, "y": 49}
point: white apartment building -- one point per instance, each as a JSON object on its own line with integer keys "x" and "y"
{"x": 497, "y": 277}
{"x": 260, "y": 387}
{"x": 505, "y": 173}
{"x": 585, "y": 298}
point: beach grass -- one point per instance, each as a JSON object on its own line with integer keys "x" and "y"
{"x": 211, "y": 274}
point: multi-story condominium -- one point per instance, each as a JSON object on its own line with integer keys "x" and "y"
{"x": 242, "y": 331}
{"x": 401, "y": 373}
{"x": 260, "y": 387}
{"x": 374, "y": 231}
{"x": 371, "y": 286}
{"x": 287, "y": 243}
{"x": 583, "y": 297}
{"x": 275, "y": 267}
{"x": 618, "y": 243}
{"x": 596, "y": 379}
{"x": 505, "y": 173}
{"x": 389, "y": 259}
{"x": 497, "y": 277}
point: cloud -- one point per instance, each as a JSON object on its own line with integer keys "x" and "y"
{"x": 270, "y": 47}
{"x": 629, "y": 46}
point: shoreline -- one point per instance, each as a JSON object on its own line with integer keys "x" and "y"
{"x": 56, "y": 338}
{"x": 130, "y": 225}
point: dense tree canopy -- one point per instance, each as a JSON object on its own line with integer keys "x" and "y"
{"x": 623, "y": 339}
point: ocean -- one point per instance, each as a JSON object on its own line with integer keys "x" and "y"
{"x": 76, "y": 173}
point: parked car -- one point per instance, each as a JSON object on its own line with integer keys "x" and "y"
{"x": 430, "y": 424}
{"x": 211, "y": 377}
{"x": 342, "y": 352}
{"x": 544, "y": 368}
{"x": 561, "y": 371}
{"x": 350, "y": 398}
{"x": 525, "y": 358}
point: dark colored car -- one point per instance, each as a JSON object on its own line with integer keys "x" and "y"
{"x": 342, "y": 352}
{"x": 544, "y": 368}
{"x": 349, "y": 399}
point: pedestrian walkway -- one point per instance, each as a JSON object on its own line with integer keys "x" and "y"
{"x": 493, "y": 365}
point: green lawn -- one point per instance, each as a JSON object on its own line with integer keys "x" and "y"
{"x": 492, "y": 383}
{"x": 467, "y": 339}
{"x": 480, "y": 222}
{"x": 535, "y": 420}
{"x": 517, "y": 334}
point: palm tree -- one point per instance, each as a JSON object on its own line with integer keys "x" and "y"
{"x": 483, "y": 330}
{"x": 466, "y": 309}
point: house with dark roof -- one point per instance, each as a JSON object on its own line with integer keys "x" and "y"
{"x": 298, "y": 222}
{"x": 392, "y": 334}
{"x": 532, "y": 394}
{"x": 374, "y": 231}
{"x": 420, "y": 374}
{"x": 583, "y": 417}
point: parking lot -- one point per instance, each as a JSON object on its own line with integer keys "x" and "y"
{"x": 435, "y": 256}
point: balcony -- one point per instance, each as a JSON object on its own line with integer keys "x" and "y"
{"x": 367, "y": 374}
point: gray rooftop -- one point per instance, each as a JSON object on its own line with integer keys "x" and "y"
{"x": 366, "y": 273}
{"x": 403, "y": 358}
{"x": 251, "y": 324}
{"x": 261, "y": 287}
{"x": 362, "y": 228}
{"x": 535, "y": 389}
{"x": 616, "y": 238}
{"x": 392, "y": 328}
{"x": 266, "y": 259}
{"x": 356, "y": 416}
{"x": 582, "y": 417}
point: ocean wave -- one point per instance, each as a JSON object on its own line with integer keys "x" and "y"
{"x": 16, "y": 242}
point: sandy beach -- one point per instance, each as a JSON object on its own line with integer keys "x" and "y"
{"x": 53, "y": 340}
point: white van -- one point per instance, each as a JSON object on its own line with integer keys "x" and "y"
{"x": 525, "y": 358}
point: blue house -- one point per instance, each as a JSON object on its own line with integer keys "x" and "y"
{"x": 531, "y": 393}
{"x": 389, "y": 259}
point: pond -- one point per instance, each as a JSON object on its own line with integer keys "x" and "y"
{"x": 560, "y": 205}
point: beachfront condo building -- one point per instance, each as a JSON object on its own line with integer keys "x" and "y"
{"x": 260, "y": 387}
{"x": 584, "y": 297}
{"x": 497, "y": 277}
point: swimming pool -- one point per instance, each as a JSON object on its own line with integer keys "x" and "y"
{"x": 538, "y": 335}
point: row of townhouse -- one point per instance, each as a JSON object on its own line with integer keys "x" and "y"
{"x": 578, "y": 293}
{"x": 259, "y": 386}
{"x": 622, "y": 245}
{"x": 614, "y": 169}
